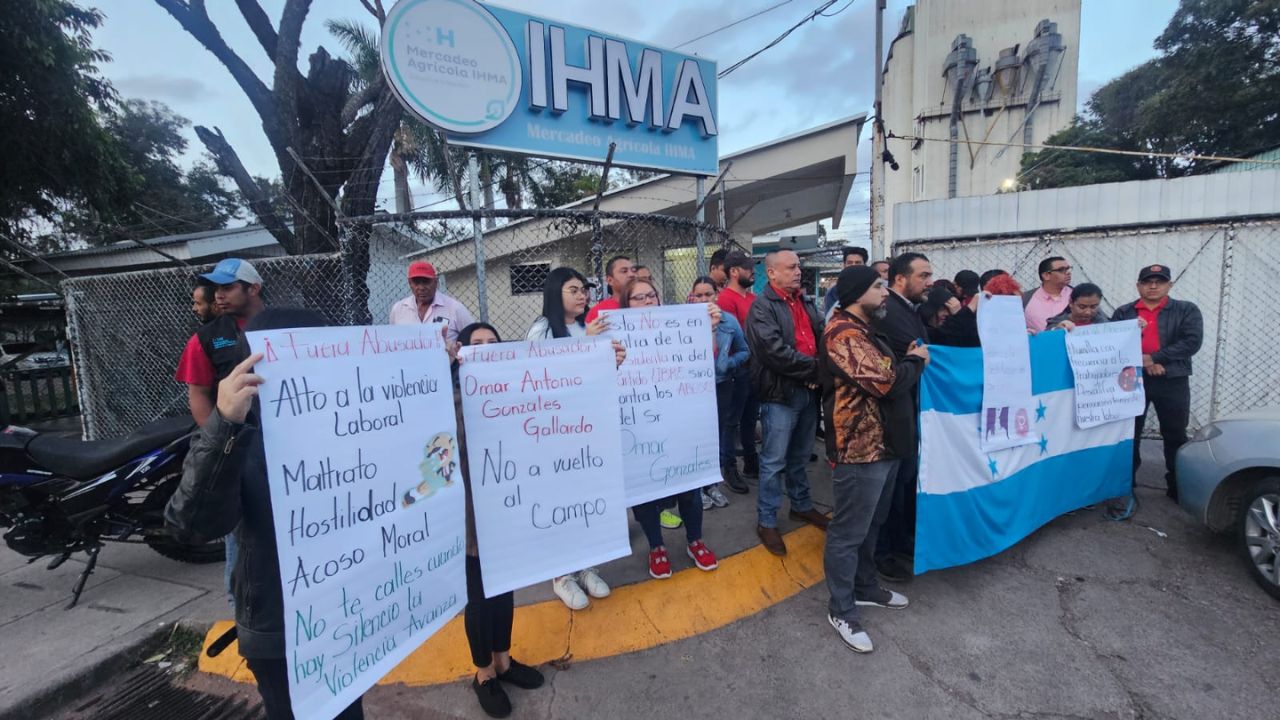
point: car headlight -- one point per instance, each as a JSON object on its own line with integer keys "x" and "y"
{"x": 1208, "y": 432}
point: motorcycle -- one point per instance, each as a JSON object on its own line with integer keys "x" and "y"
{"x": 60, "y": 495}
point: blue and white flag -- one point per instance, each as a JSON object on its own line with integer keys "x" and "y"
{"x": 974, "y": 504}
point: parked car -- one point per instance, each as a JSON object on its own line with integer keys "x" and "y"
{"x": 1229, "y": 479}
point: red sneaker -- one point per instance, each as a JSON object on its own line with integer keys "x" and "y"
{"x": 702, "y": 556}
{"x": 659, "y": 563}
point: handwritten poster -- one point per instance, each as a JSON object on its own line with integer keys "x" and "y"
{"x": 367, "y": 498}
{"x": 1106, "y": 360}
{"x": 545, "y": 459}
{"x": 666, "y": 400}
{"x": 1007, "y": 409}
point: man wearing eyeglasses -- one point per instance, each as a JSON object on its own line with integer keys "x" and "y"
{"x": 1052, "y": 297}
{"x": 1172, "y": 331}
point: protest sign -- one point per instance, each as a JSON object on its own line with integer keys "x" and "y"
{"x": 367, "y": 501}
{"x": 544, "y": 458}
{"x": 666, "y": 400}
{"x": 1106, "y": 361}
{"x": 1005, "y": 420}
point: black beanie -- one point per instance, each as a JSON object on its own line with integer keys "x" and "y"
{"x": 853, "y": 282}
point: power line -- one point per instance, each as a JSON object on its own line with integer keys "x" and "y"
{"x": 820, "y": 11}
{"x": 732, "y": 24}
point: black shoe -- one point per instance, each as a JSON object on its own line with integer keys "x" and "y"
{"x": 892, "y": 570}
{"x": 751, "y": 470}
{"x": 521, "y": 675}
{"x": 493, "y": 699}
{"x": 734, "y": 480}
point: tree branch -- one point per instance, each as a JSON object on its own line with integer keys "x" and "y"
{"x": 260, "y": 24}
{"x": 288, "y": 81}
{"x": 375, "y": 9}
{"x": 193, "y": 18}
{"x": 367, "y": 94}
{"x": 228, "y": 162}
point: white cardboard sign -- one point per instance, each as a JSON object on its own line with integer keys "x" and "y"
{"x": 1007, "y": 410}
{"x": 545, "y": 458}
{"x": 367, "y": 498}
{"x": 666, "y": 392}
{"x": 1106, "y": 360}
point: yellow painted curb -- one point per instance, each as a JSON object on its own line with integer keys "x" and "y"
{"x": 635, "y": 617}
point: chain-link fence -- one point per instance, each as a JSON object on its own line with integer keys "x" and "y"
{"x": 128, "y": 330}
{"x": 520, "y": 247}
{"x": 1227, "y": 269}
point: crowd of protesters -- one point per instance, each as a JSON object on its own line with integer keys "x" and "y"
{"x": 781, "y": 365}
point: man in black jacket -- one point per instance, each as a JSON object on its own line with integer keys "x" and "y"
{"x": 783, "y": 328}
{"x": 224, "y": 489}
{"x": 910, "y": 276}
{"x": 1172, "y": 331}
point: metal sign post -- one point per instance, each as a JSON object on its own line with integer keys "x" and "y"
{"x": 477, "y": 237}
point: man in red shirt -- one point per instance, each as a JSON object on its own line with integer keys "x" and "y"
{"x": 617, "y": 273}
{"x": 1172, "y": 332}
{"x": 736, "y": 298}
{"x": 782, "y": 332}
{"x": 217, "y": 347}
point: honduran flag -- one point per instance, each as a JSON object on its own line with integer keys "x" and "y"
{"x": 973, "y": 504}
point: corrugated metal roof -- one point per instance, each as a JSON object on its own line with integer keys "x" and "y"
{"x": 1270, "y": 157}
{"x": 1199, "y": 198}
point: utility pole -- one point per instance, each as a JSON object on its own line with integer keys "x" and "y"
{"x": 879, "y": 243}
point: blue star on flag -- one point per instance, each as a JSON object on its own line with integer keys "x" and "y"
{"x": 1040, "y": 411}
{"x": 1044, "y": 445}
{"x": 991, "y": 465}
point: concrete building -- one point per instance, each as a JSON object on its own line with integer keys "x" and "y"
{"x": 961, "y": 73}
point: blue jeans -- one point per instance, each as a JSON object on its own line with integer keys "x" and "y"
{"x": 728, "y": 422}
{"x": 788, "y": 441}
{"x": 747, "y": 411}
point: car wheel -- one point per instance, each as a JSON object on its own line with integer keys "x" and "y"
{"x": 1260, "y": 534}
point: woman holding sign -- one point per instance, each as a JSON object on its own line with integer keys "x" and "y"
{"x": 730, "y": 346}
{"x": 638, "y": 294}
{"x": 564, "y": 310}
{"x": 488, "y": 621}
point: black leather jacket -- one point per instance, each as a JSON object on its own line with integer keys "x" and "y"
{"x": 1181, "y": 329}
{"x": 224, "y": 488}
{"x": 777, "y": 369}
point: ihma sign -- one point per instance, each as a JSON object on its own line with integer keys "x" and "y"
{"x": 499, "y": 79}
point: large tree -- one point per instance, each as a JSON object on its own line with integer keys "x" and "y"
{"x": 54, "y": 150}
{"x": 341, "y": 128}
{"x": 1213, "y": 90}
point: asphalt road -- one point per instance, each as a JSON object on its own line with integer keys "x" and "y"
{"x": 1087, "y": 618}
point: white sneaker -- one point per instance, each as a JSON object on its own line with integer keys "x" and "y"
{"x": 595, "y": 585}
{"x": 885, "y": 599}
{"x": 570, "y": 592}
{"x": 707, "y": 502}
{"x": 854, "y": 637}
{"x": 717, "y": 497}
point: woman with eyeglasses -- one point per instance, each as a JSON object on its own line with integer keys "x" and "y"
{"x": 638, "y": 294}
{"x": 564, "y": 310}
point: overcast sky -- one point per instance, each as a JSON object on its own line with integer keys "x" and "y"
{"x": 823, "y": 72}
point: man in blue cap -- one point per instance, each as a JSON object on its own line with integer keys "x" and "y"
{"x": 217, "y": 347}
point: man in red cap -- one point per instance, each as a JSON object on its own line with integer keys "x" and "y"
{"x": 428, "y": 305}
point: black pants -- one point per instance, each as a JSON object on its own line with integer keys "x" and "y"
{"x": 273, "y": 685}
{"x": 488, "y": 621}
{"x": 1172, "y": 398}
{"x": 898, "y": 533}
